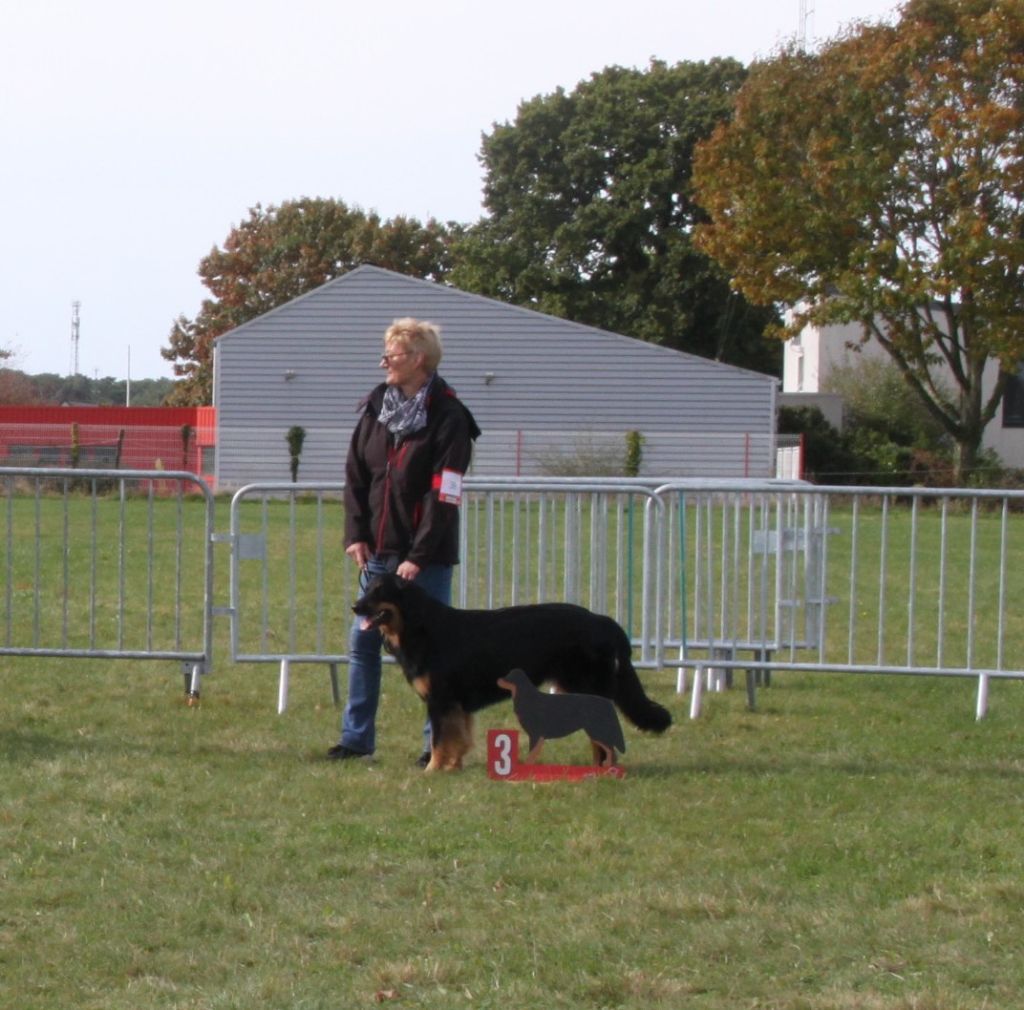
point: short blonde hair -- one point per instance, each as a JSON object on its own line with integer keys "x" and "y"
{"x": 417, "y": 336}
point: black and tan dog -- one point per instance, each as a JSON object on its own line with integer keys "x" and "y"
{"x": 454, "y": 658}
{"x": 550, "y": 716}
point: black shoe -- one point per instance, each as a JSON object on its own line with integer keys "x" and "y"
{"x": 339, "y": 752}
{"x": 424, "y": 759}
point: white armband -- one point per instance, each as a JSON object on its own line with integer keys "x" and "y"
{"x": 450, "y": 488}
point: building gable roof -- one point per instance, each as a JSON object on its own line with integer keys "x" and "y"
{"x": 367, "y": 282}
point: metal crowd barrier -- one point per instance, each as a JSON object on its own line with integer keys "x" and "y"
{"x": 707, "y": 577}
{"x": 902, "y": 581}
{"x": 107, "y": 564}
{"x": 291, "y": 583}
{"x": 522, "y": 541}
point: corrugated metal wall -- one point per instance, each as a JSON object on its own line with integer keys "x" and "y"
{"x": 310, "y": 362}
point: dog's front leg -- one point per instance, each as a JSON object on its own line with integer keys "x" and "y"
{"x": 451, "y": 739}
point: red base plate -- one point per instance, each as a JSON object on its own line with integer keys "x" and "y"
{"x": 503, "y": 763}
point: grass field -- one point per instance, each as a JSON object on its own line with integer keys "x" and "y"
{"x": 852, "y": 845}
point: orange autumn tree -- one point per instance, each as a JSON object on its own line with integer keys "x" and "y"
{"x": 280, "y": 252}
{"x": 16, "y": 388}
{"x": 880, "y": 181}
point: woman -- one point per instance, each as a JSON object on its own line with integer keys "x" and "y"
{"x": 403, "y": 484}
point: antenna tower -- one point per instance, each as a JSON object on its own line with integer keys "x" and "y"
{"x": 804, "y": 16}
{"x": 75, "y": 306}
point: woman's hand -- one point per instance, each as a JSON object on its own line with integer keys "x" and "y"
{"x": 359, "y": 553}
{"x": 408, "y": 570}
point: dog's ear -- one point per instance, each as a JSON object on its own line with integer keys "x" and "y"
{"x": 385, "y": 585}
{"x": 396, "y": 585}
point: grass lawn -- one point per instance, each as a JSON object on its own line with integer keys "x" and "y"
{"x": 852, "y": 845}
{"x": 855, "y": 843}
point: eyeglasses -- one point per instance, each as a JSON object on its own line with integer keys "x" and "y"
{"x": 386, "y": 359}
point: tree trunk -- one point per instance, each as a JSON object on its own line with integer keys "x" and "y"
{"x": 966, "y": 458}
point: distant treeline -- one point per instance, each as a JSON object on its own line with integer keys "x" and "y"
{"x": 48, "y": 389}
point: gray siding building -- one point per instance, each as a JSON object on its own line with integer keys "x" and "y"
{"x": 545, "y": 391}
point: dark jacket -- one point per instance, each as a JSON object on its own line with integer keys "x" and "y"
{"x": 392, "y": 492}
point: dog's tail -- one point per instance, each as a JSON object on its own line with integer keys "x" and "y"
{"x": 632, "y": 699}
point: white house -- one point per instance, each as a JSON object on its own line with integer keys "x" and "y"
{"x": 810, "y": 357}
{"x": 537, "y": 386}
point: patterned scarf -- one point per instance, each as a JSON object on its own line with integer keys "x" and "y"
{"x": 405, "y": 416}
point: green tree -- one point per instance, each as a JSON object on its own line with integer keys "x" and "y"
{"x": 144, "y": 392}
{"x": 881, "y": 181}
{"x": 75, "y": 389}
{"x": 281, "y": 252}
{"x": 826, "y": 455}
{"x": 47, "y": 386}
{"x": 50, "y": 388}
{"x": 861, "y": 454}
{"x": 876, "y": 397}
{"x": 591, "y": 216}
{"x": 888, "y": 436}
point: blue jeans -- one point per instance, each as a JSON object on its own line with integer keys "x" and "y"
{"x": 364, "y": 669}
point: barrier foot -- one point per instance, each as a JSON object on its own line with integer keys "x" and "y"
{"x": 695, "y": 695}
{"x": 335, "y": 690}
{"x": 982, "y": 706}
{"x": 681, "y": 681}
{"x": 193, "y": 677}
{"x": 282, "y": 687}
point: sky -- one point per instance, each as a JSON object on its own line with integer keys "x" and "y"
{"x": 136, "y": 135}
